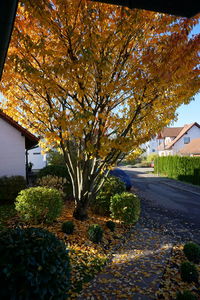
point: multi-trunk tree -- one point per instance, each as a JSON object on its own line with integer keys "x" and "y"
{"x": 96, "y": 81}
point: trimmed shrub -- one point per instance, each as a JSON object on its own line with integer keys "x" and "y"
{"x": 111, "y": 225}
{"x": 68, "y": 227}
{"x": 95, "y": 233}
{"x": 192, "y": 252}
{"x": 34, "y": 265}
{"x": 125, "y": 207}
{"x": 189, "y": 272}
{"x": 54, "y": 170}
{"x": 111, "y": 186}
{"x": 10, "y": 187}
{"x": 186, "y": 295}
{"x": 39, "y": 204}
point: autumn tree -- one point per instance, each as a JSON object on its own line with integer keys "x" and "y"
{"x": 96, "y": 81}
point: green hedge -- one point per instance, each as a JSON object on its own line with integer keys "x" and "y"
{"x": 179, "y": 167}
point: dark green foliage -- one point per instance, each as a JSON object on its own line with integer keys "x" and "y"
{"x": 39, "y": 204}
{"x": 111, "y": 186}
{"x": 192, "y": 252}
{"x": 111, "y": 225}
{"x": 125, "y": 207}
{"x": 182, "y": 168}
{"x": 189, "y": 272}
{"x": 186, "y": 295}
{"x": 95, "y": 233}
{"x": 68, "y": 227}
{"x": 54, "y": 170}
{"x": 34, "y": 265}
{"x": 10, "y": 187}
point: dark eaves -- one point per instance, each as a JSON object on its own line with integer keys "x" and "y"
{"x": 8, "y": 9}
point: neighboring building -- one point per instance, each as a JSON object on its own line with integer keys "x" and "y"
{"x": 172, "y": 140}
{"x": 150, "y": 147}
{"x": 14, "y": 141}
{"x": 191, "y": 149}
{"x": 36, "y": 157}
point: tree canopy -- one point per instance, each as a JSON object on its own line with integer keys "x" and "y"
{"x": 97, "y": 80}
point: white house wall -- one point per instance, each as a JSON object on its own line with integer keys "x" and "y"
{"x": 12, "y": 150}
{"x": 193, "y": 133}
{"x": 36, "y": 158}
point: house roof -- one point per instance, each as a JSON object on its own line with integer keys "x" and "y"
{"x": 169, "y": 132}
{"x": 181, "y": 133}
{"x": 192, "y": 148}
{"x": 30, "y": 139}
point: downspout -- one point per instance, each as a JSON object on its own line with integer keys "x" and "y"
{"x": 26, "y": 164}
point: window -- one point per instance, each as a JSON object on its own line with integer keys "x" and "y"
{"x": 186, "y": 140}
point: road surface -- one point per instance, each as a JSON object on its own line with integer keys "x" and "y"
{"x": 165, "y": 200}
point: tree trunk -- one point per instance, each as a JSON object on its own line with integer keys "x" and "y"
{"x": 80, "y": 211}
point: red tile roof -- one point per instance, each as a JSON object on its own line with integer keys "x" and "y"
{"x": 30, "y": 139}
{"x": 169, "y": 132}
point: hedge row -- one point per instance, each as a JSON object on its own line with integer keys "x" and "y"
{"x": 179, "y": 167}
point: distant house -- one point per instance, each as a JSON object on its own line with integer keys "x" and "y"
{"x": 36, "y": 157}
{"x": 191, "y": 149}
{"x": 14, "y": 143}
{"x": 172, "y": 140}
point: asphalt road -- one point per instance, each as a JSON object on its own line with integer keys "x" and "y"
{"x": 167, "y": 200}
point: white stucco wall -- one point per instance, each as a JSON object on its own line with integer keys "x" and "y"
{"x": 38, "y": 160}
{"x": 12, "y": 150}
{"x": 192, "y": 133}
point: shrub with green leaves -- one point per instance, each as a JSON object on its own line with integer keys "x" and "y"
{"x": 186, "y": 295}
{"x": 34, "y": 265}
{"x": 10, "y": 187}
{"x": 125, "y": 207}
{"x": 111, "y": 186}
{"x": 95, "y": 233}
{"x": 54, "y": 170}
{"x": 111, "y": 225}
{"x": 68, "y": 227}
{"x": 39, "y": 204}
{"x": 189, "y": 272}
{"x": 192, "y": 252}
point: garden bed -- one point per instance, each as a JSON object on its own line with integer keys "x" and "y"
{"x": 87, "y": 258}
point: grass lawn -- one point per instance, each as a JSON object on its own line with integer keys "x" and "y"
{"x": 87, "y": 258}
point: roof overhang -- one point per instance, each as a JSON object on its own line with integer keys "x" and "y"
{"x": 180, "y": 8}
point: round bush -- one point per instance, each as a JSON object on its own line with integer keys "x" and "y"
{"x": 186, "y": 295}
{"x": 112, "y": 186}
{"x": 95, "y": 233}
{"x": 192, "y": 252}
{"x": 68, "y": 227}
{"x": 39, "y": 204}
{"x": 125, "y": 207}
{"x": 10, "y": 187}
{"x": 34, "y": 265}
{"x": 189, "y": 272}
{"x": 111, "y": 225}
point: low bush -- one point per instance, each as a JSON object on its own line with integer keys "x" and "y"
{"x": 111, "y": 186}
{"x": 54, "y": 170}
{"x": 51, "y": 181}
{"x": 192, "y": 252}
{"x": 111, "y": 225}
{"x": 39, "y": 204}
{"x": 34, "y": 265}
{"x": 10, "y": 187}
{"x": 125, "y": 207}
{"x": 189, "y": 272}
{"x": 186, "y": 295}
{"x": 68, "y": 227}
{"x": 95, "y": 233}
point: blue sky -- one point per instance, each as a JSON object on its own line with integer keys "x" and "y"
{"x": 191, "y": 112}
